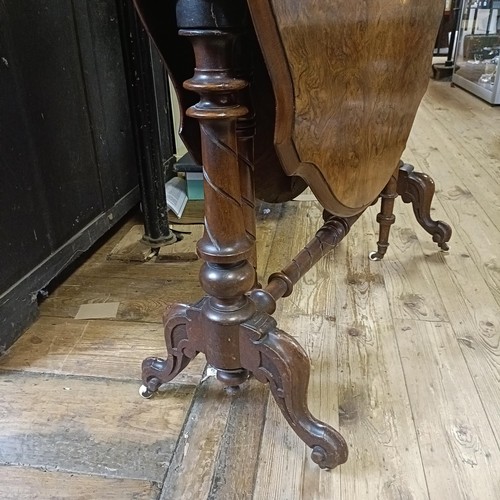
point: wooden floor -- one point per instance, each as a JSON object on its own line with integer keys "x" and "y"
{"x": 405, "y": 356}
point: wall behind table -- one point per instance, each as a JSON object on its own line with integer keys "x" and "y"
{"x": 67, "y": 155}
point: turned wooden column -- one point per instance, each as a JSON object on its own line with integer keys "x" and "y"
{"x": 386, "y": 217}
{"x": 229, "y": 238}
{"x": 245, "y": 131}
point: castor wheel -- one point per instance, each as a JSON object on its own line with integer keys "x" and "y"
{"x": 145, "y": 392}
{"x": 374, "y": 256}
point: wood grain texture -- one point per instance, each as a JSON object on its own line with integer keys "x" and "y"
{"x": 185, "y": 248}
{"x": 223, "y": 431}
{"x": 88, "y": 425}
{"x": 130, "y": 248}
{"x": 475, "y": 225}
{"x": 464, "y": 166}
{"x": 154, "y": 270}
{"x": 108, "y": 242}
{"x": 348, "y": 80}
{"x": 93, "y": 348}
{"x": 299, "y": 221}
{"x": 475, "y": 317}
{"x": 412, "y": 291}
{"x": 23, "y": 483}
{"x": 193, "y": 214}
{"x": 234, "y": 476}
{"x": 451, "y": 126}
{"x": 285, "y": 471}
{"x": 140, "y": 300}
{"x": 210, "y": 443}
{"x": 268, "y": 221}
{"x": 459, "y": 451}
{"x": 375, "y": 413}
{"x": 198, "y": 445}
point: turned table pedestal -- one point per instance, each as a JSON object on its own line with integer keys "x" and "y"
{"x": 278, "y": 95}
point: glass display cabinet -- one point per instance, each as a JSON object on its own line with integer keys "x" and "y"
{"x": 477, "y": 50}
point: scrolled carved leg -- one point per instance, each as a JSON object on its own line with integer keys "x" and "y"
{"x": 386, "y": 217}
{"x": 418, "y": 189}
{"x": 180, "y": 349}
{"x": 275, "y": 357}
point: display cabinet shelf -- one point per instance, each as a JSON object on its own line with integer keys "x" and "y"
{"x": 477, "y": 50}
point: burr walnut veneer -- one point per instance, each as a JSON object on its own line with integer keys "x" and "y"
{"x": 277, "y": 95}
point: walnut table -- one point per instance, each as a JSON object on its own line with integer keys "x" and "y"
{"x": 278, "y": 95}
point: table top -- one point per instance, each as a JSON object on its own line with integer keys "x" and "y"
{"x": 335, "y": 89}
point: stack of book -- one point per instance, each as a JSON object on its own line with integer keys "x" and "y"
{"x": 194, "y": 176}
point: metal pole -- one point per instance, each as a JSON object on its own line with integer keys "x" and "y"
{"x": 146, "y": 125}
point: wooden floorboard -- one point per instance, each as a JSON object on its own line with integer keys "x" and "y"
{"x": 26, "y": 483}
{"x": 375, "y": 411}
{"x": 88, "y": 425}
{"x": 223, "y": 431}
{"x": 92, "y": 348}
{"x": 478, "y": 232}
{"x": 405, "y": 356}
{"x": 140, "y": 299}
{"x": 410, "y": 285}
{"x": 474, "y": 316}
{"x": 459, "y": 452}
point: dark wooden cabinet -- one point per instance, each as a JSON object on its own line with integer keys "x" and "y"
{"x": 68, "y": 151}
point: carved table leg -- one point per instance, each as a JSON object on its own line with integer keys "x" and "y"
{"x": 386, "y": 216}
{"x": 417, "y": 188}
{"x": 182, "y": 347}
{"x": 275, "y": 357}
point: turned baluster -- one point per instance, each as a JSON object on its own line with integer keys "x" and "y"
{"x": 228, "y": 243}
